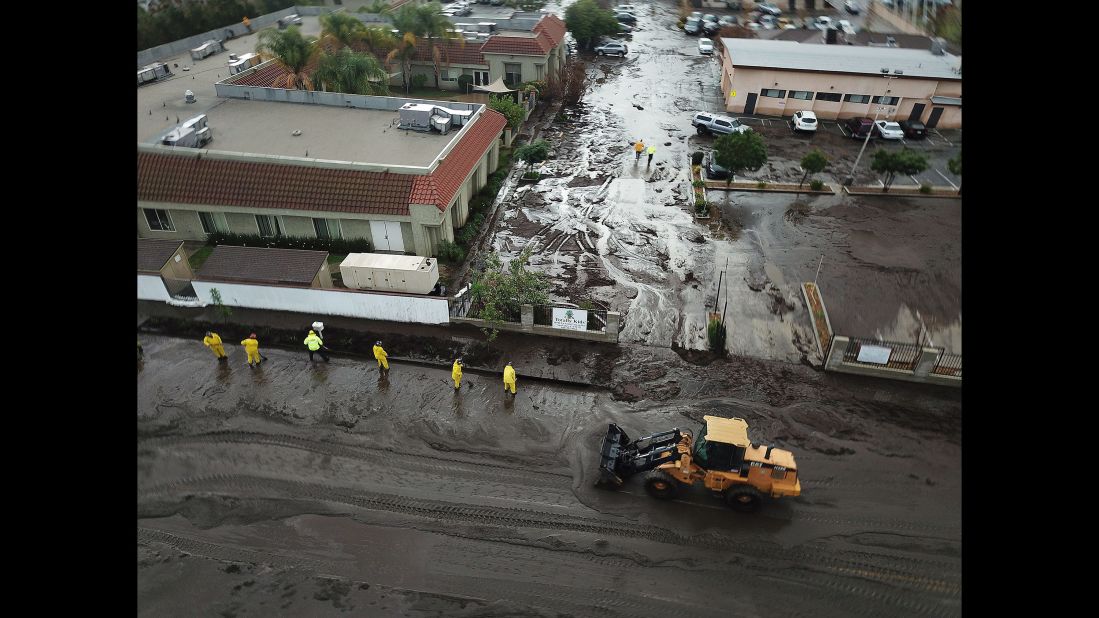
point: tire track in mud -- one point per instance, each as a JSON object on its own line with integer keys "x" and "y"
{"x": 525, "y": 518}
{"x": 381, "y": 456}
{"x": 223, "y": 553}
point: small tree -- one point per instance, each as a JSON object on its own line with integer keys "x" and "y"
{"x": 955, "y": 167}
{"x": 812, "y": 163}
{"x": 509, "y": 108}
{"x": 587, "y": 22}
{"x": 532, "y": 153}
{"x": 715, "y": 333}
{"x": 225, "y": 311}
{"x": 499, "y": 294}
{"x": 738, "y": 152}
{"x": 891, "y": 163}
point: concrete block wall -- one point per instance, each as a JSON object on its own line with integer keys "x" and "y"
{"x": 922, "y": 372}
{"x": 526, "y": 325}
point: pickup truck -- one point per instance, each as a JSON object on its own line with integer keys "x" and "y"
{"x": 719, "y": 125}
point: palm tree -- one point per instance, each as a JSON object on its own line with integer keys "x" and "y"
{"x": 438, "y": 29}
{"x": 352, "y": 73}
{"x": 292, "y": 52}
{"x": 341, "y": 29}
{"x": 377, "y": 39}
{"x": 403, "y": 53}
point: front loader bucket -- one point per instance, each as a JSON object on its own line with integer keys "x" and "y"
{"x": 613, "y": 444}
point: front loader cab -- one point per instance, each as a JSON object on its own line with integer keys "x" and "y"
{"x": 721, "y": 444}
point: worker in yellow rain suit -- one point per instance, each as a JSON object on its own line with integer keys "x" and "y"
{"x": 379, "y": 353}
{"x": 213, "y": 341}
{"x": 456, "y": 374}
{"x": 251, "y": 346}
{"x": 509, "y": 378}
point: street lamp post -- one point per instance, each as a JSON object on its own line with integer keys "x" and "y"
{"x": 874, "y": 123}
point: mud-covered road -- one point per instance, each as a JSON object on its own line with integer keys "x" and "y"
{"x": 622, "y": 232}
{"x": 304, "y": 490}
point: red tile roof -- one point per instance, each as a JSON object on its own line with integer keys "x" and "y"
{"x": 187, "y": 179}
{"x": 202, "y": 180}
{"x": 440, "y": 187}
{"x": 264, "y": 77}
{"x": 520, "y": 46}
{"x": 452, "y": 51}
{"x": 554, "y": 27}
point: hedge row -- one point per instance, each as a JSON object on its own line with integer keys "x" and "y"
{"x": 331, "y": 245}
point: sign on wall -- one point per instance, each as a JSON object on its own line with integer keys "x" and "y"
{"x": 874, "y": 354}
{"x": 570, "y": 319}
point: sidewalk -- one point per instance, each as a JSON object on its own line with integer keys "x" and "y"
{"x": 564, "y": 361}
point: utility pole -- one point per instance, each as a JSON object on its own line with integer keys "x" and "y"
{"x": 873, "y": 125}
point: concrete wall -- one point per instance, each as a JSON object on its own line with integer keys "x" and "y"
{"x": 151, "y": 287}
{"x": 922, "y": 373}
{"x": 527, "y": 325}
{"x": 910, "y": 90}
{"x": 350, "y": 303}
{"x": 183, "y": 46}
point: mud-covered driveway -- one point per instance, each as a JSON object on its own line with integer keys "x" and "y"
{"x": 306, "y": 490}
{"x": 622, "y": 232}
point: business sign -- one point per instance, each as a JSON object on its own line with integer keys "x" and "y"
{"x": 874, "y": 354}
{"x": 570, "y": 319}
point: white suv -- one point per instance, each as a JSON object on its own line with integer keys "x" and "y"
{"x": 804, "y": 121}
{"x": 612, "y": 49}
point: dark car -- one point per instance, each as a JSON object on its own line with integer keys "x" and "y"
{"x": 626, "y": 18}
{"x": 713, "y": 170}
{"x": 859, "y": 127}
{"x": 913, "y": 129}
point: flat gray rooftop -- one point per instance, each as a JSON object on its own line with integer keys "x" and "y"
{"x": 791, "y": 55}
{"x": 327, "y": 132}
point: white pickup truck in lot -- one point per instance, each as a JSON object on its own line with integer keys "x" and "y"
{"x": 706, "y": 123}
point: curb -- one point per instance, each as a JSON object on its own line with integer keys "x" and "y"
{"x": 768, "y": 189}
{"x": 876, "y": 191}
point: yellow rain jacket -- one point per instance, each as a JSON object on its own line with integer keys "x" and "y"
{"x": 314, "y": 342}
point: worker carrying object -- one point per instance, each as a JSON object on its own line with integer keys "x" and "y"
{"x": 319, "y": 328}
{"x": 638, "y": 147}
{"x": 379, "y": 353}
{"x": 316, "y": 346}
{"x": 251, "y": 346}
{"x": 213, "y": 341}
{"x": 456, "y": 374}
{"x": 509, "y": 378}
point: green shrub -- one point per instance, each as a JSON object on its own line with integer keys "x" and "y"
{"x": 450, "y": 253}
{"x": 465, "y": 83}
{"x": 816, "y": 184}
{"x": 761, "y": 184}
{"x": 701, "y": 206}
{"x": 698, "y": 184}
{"x": 696, "y": 157}
{"x": 419, "y": 81}
{"x": 331, "y": 245}
{"x": 925, "y": 188}
{"x": 715, "y": 333}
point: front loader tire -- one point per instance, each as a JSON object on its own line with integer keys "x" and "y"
{"x": 743, "y": 498}
{"x": 661, "y": 486}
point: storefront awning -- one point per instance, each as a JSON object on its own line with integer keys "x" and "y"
{"x": 496, "y": 87}
{"x": 946, "y": 101}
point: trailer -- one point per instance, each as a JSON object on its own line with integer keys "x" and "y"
{"x": 191, "y": 134}
{"x": 396, "y": 273}
{"x": 152, "y": 72}
{"x": 244, "y": 62}
{"x": 209, "y": 48}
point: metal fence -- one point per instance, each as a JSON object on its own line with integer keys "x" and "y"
{"x": 948, "y": 365}
{"x": 597, "y": 318}
{"x": 901, "y": 356}
{"x": 460, "y": 306}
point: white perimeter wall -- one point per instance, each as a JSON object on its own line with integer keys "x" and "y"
{"x": 393, "y": 308}
{"x": 151, "y": 287}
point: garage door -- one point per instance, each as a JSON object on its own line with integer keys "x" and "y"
{"x": 387, "y": 236}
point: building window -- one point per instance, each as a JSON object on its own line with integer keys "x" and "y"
{"x": 886, "y": 100}
{"x": 770, "y": 92}
{"x": 159, "y": 220}
{"x": 857, "y": 98}
{"x": 513, "y": 74}
{"x": 449, "y": 75}
{"x": 540, "y": 71}
{"x": 268, "y": 225}
{"x": 804, "y": 95}
{"x": 213, "y": 223}
{"x": 829, "y": 96}
{"x": 327, "y": 228}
